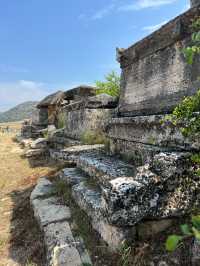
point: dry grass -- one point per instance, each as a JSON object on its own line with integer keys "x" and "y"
{"x": 20, "y": 240}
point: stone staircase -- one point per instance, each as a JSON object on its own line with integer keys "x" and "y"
{"x": 116, "y": 196}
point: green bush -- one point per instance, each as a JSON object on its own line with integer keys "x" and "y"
{"x": 94, "y": 137}
{"x": 191, "y": 51}
{"x": 188, "y": 231}
{"x": 111, "y": 86}
{"x": 61, "y": 120}
{"x": 184, "y": 114}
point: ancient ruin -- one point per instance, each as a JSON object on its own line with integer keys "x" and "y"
{"x": 140, "y": 172}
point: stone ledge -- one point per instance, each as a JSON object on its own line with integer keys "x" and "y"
{"x": 176, "y": 29}
{"x": 53, "y": 219}
{"x": 151, "y": 130}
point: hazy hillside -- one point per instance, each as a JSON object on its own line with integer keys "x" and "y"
{"x": 18, "y": 113}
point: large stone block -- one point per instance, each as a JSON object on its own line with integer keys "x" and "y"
{"x": 194, "y": 3}
{"x": 78, "y": 122}
{"x": 155, "y": 75}
{"x": 141, "y": 137}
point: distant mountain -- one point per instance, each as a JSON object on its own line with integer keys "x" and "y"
{"x": 18, "y": 113}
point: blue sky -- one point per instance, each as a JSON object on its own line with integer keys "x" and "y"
{"x": 46, "y": 45}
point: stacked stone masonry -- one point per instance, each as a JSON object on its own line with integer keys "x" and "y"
{"x": 145, "y": 178}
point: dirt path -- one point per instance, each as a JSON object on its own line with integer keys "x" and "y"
{"x": 20, "y": 239}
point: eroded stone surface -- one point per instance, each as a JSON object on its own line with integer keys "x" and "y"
{"x": 71, "y": 176}
{"x": 171, "y": 164}
{"x": 31, "y": 153}
{"x": 49, "y": 211}
{"x": 53, "y": 219}
{"x": 44, "y": 188}
{"x": 78, "y": 122}
{"x": 40, "y": 143}
{"x": 91, "y": 202}
{"x": 155, "y": 74}
{"x": 151, "y": 228}
{"x": 195, "y": 253}
{"x": 104, "y": 168}
{"x": 152, "y": 130}
{"x": 61, "y": 246}
{"x": 72, "y": 153}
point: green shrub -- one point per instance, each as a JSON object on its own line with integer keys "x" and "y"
{"x": 184, "y": 114}
{"x": 188, "y": 231}
{"x": 61, "y": 120}
{"x": 111, "y": 86}
{"x": 191, "y": 51}
{"x": 94, "y": 137}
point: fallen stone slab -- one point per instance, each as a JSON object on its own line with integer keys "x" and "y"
{"x": 60, "y": 245}
{"x": 53, "y": 218}
{"x": 35, "y": 153}
{"x": 49, "y": 210}
{"x": 44, "y": 188}
{"x": 72, "y": 153}
{"x": 40, "y": 143}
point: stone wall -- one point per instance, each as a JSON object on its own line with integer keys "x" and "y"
{"x": 155, "y": 75}
{"x": 85, "y": 120}
{"x": 88, "y": 115}
{"x": 194, "y": 3}
{"x": 155, "y": 78}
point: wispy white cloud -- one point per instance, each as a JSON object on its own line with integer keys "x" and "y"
{"x": 153, "y": 28}
{"x": 103, "y": 12}
{"x": 141, "y": 4}
{"x": 13, "y": 93}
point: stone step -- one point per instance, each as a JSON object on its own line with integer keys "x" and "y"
{"x": 71, "y": 153}
{"x": 130, "y": 195}
{"x": 89, "y": 198}
{"x": 54, "y": 219}
{"x": 104, "y": 168}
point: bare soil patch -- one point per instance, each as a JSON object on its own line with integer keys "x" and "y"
{"x": 21, "y": 241}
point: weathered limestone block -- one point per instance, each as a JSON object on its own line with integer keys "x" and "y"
{"x": 58, "y": 140}
{"x": 78, "y": 122}
{"x": 35, "y": 153}
{"x": 152, "y": 130}
{"x": 60, "y": 245}
{"x": 40, "y": 143}
{"x": 151, "y": 228}
{"x": 43, "y": 189}
{"x": 72, "y": 153}
{"x": 104, "y": 168}
{"x": 43, "y": 116}
{"x": 135, "y": 153}
{"x": 128, "y": 200}
{"x": 130, "y": 195}
{"x": 194, "y": 3}
{"x": 80, "y": 93}
{"x": 26, "y": 143}
{"x": 173, "y": 164}
{"x": 90, "y": 201}
{"x": 49, "y": 211}
{"x": 101, "y": 101}
{"x": 53, "y": 219}
{"x": 195, "y": 253}
{"x": 87, "y": 196}
{"x": 155, "y": 75}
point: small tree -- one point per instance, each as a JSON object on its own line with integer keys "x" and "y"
{"x": 111, "y": 86}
